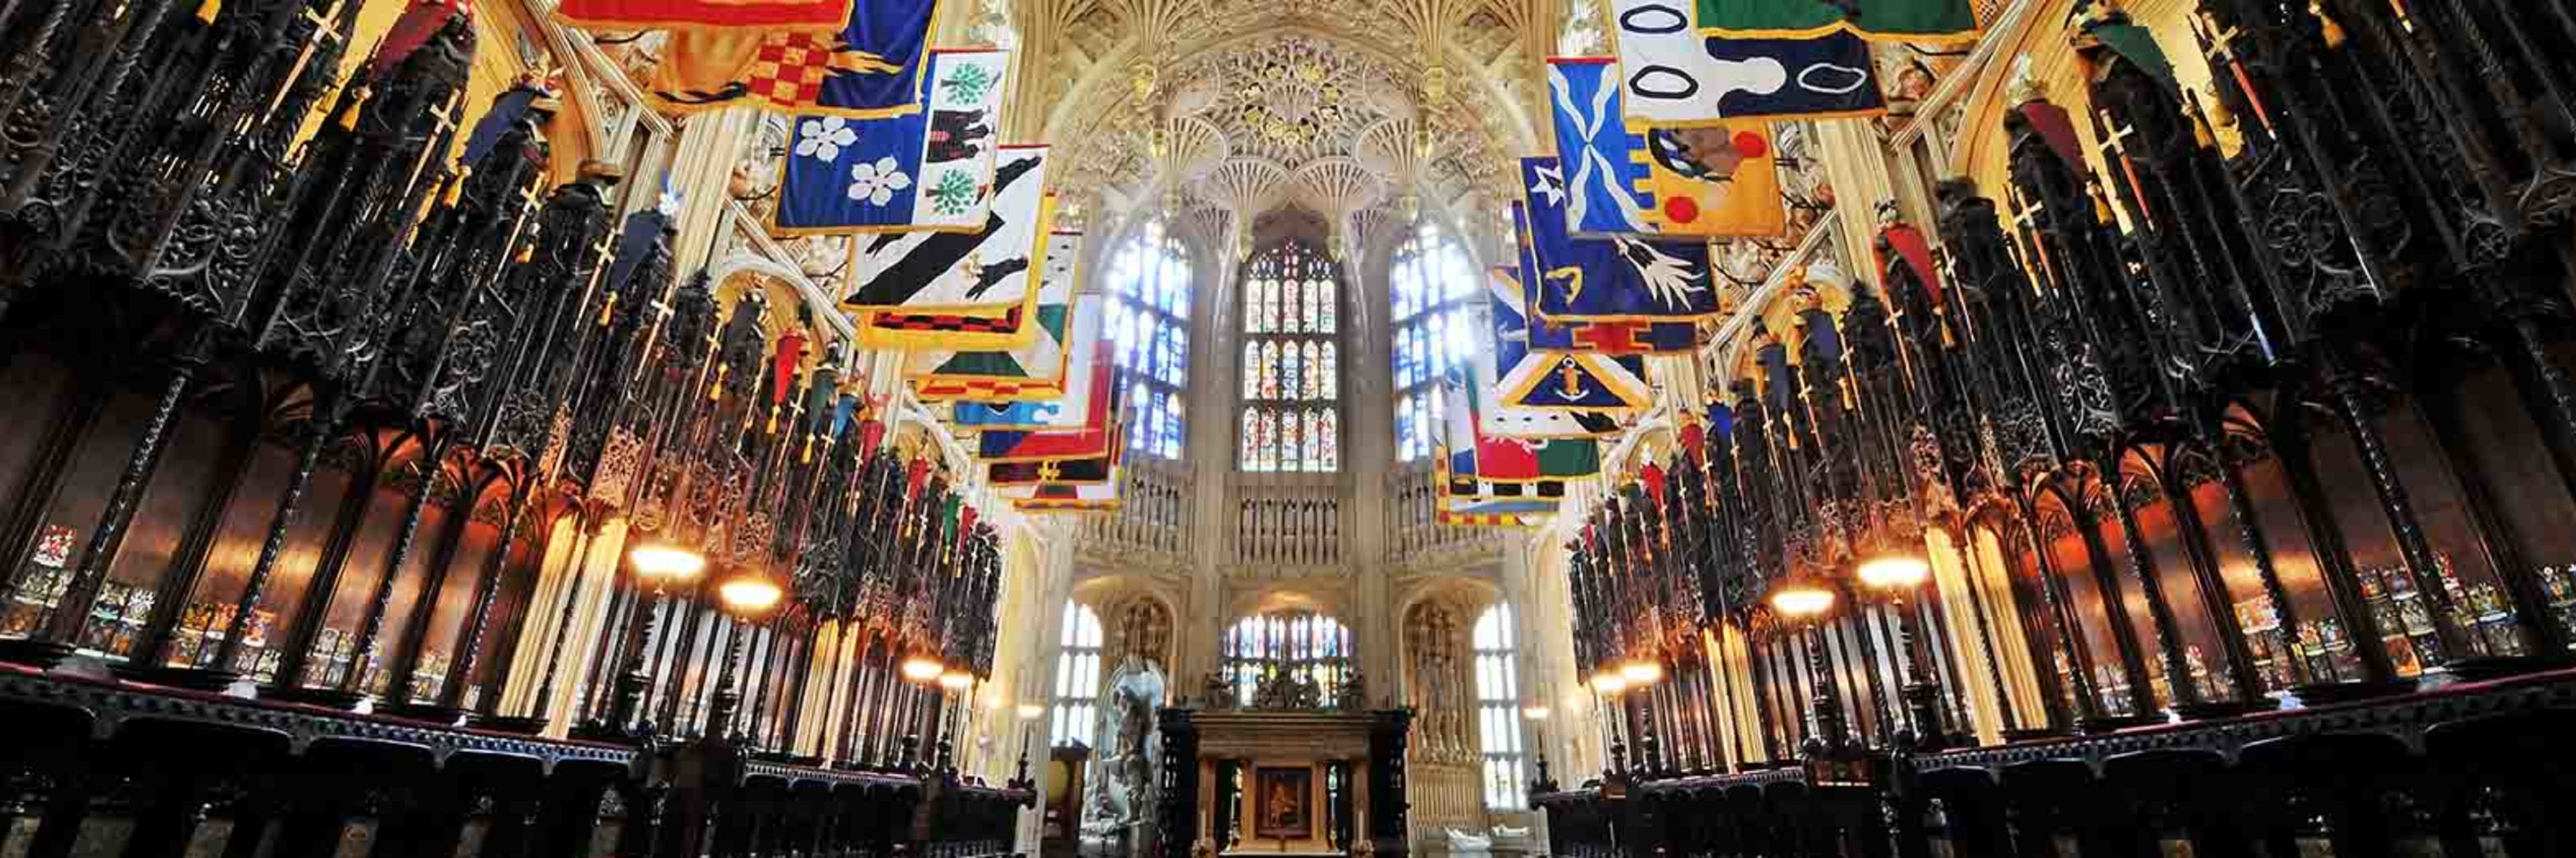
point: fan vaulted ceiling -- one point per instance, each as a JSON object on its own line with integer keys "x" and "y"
{"x": 1219, "y": 110}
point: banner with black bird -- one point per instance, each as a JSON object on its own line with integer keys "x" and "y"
{"x": 960, "y": 291}
{"x": 1018, "y": 380}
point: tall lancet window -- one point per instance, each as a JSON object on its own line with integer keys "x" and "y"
{"x": 1498, "y": 708}
{"x": 1291, "y": 418}
{"x": 1077, "y": 676}
{"x": 1148, "y": 326}
{"x": 1431, "y": 283}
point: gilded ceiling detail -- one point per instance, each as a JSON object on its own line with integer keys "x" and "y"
{"x": 1257, "y": 104}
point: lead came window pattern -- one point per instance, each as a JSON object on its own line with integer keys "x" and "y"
{"x": 1291, "y": 419}
{"x": 1498, "y": 720}
{"x": 1430, "y": 284}
{"x": 1288, "y": 644}
{"x": 1077, "y": 676}
{"x": 1148, "y": 328}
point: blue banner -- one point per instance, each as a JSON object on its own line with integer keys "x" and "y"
{"x": 1612, "y": 279}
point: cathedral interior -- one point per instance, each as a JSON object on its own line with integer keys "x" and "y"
{"x": 1317, "y": 428}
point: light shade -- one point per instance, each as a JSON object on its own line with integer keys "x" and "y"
{"x": 956, "y": 680}
{"x": 749, "y": 594}
{"x": 1609, "y": 682}
{"x": 1032, "y": 711}
{"x": 1801, "y": 600}
{"x": 1895, "y": 571}
{"x": 1534, "y": 713}
{"x": 664, "y": 563}
{"x": 921, "y": 668}
{"x": 1642, "y": 672}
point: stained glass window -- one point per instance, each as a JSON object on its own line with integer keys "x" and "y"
{"x": 1296, "y": 646}
{"x": 1430, "y": 283}
{"x": 1291, "y": 396}
{"x": 1077, "y": 676}
{"x": 1148, "y": 328}
{"x": 1498, "y": 720}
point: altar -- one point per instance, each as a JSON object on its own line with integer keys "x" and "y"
{"x": 1294, "y": 782}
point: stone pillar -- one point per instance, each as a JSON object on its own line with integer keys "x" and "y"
{"x": 1209, "y": 455}
{"x": 711, "y": 143}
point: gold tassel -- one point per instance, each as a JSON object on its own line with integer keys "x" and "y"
{"x": 455, "y": 186}
{"x": 606, "y": 308}
{"x": 716, "y": 391}
{"x": 2101, "y": 204}
{"x": 207, "y": 10}
{"x": 772, "y": 428}
{"x": 2200, "y": 134}
{"x": 2326, "y": 24}
{"x": 2218, "y": 114}
{"x": 348, "y": 118}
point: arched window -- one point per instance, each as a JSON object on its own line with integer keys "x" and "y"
{"x": 1291, "y": 418}
{"x": 1148, "y": 327}
{"x": 1077, "y": 676}
{"x": 1431, "y": 283}
{"x": 1287, "y": 645}
{"x": 1498, "y": 708}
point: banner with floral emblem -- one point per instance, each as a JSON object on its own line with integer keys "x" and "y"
{"x": 928, "y": 170}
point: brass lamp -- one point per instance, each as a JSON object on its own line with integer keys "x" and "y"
{"x": 1802, "y": 599}
{"x": 922, "y": 668}
{"x": 663, "y": 564}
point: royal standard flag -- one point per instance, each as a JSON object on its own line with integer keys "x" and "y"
{"x": 1895, "y": 20}
{"x": 1675, "y": 77}
{"x": 1624, "y": 177}
{"x": 931, "y": 169}
{"x": 861, "y": 60}
{"x": 1035, "y": 371}
{"x": 1613, "y": 279}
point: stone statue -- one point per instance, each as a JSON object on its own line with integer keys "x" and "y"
{"x": 1352, "y": 695}
{"x": 1216, "y": 692}
{"x": 1121, "y": 805}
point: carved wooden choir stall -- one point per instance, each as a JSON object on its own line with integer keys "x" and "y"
{"x": 2243, "y": 476}
{"x": 340, "y": 477}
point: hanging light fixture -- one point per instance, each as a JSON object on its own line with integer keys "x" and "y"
{"x": 662, "y": 564}
{"x": 1609, "y": 682}
{"x": 1642, "y": 672}
{"x": 1801, "y": 599}
{"x": 750, "y": 594}
{"x": 1894, "y": 570}
{"x": 956, "y": 680}
{"x": 922, "y": 668}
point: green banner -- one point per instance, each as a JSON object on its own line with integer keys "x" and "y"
{"x": 1900, "y": 20}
